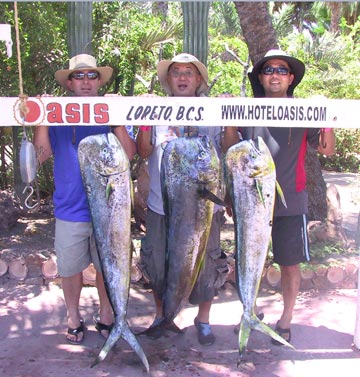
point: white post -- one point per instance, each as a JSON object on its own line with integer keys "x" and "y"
{"x": 5, "y": 35}
{"x": 357, "y": 324}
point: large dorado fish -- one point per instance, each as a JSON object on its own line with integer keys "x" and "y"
{"x": 105, "y": 170}
{"x": 251, "y": 181}
{"x": 189, "y": 170}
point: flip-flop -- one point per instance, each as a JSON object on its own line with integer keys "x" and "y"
{"x": 284, "y": 333}
{"x": 76, "y": 332}
{"x": 100, "y": 327}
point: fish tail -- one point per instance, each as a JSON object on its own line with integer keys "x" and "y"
{"x": 129, "y": 337}
{"x": 109, "y": 344}
{"x": 244, "y": 333}
{"x": 254, "y": 323}
{"x": 126, "y": 334}
{"x": 265, "y": 329}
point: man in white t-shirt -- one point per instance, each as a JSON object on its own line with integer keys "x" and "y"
{"x": 183, "y": 76}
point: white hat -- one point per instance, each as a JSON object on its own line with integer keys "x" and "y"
{"x": 80, "y": 62}
{"x": 164, "y": 65}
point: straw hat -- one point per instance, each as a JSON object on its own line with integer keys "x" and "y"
{"x": 164, "y": 65}
{"x": 297, "y": 69}
{"x": 81, "y": 62}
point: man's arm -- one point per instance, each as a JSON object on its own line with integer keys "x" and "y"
{"x": 126, "y": 141}
{"x": 327, "y": 141}
{"x": 144, "y": 136}
{"x": 42, "y": 143}
{"x": 143, "y": 140}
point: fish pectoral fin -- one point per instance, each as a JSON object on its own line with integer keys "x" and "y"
{"x": 259, "y": 190}
{"x": 281, "y": 194}
{"x": 109, "y": 189}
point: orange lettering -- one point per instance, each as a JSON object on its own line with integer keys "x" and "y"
{"x": 54, "y": 113}
{"x": 101, "y": 113}
{"x": 72, "y": 113}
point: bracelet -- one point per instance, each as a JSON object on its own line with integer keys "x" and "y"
{"x": 328, "y": 129}
{"x": 145, "y": 128}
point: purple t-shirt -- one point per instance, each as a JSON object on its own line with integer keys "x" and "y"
{"x": 69, "y": 198}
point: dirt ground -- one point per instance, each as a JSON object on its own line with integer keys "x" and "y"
{"x": 33, "y": 324}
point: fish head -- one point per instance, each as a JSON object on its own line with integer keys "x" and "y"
{"x": 109, "y": 158}
{"x": 200, "y": 159}
{"x": 252, "y": 157}
{"x": 264, "y": 163}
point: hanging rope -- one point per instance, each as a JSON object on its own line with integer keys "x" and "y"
{"x": 28, "y": 165}
{"x": 22, "y": 107}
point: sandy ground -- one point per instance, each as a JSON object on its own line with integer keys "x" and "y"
{"x": 33, "y": 325}
{"x": 32, "y": 338}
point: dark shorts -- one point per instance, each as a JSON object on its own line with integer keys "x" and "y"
{"x": 290, "y": 240}
{"x": 152, "y": 259}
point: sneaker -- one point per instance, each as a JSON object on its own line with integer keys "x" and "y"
{"x": 205, "y": 334}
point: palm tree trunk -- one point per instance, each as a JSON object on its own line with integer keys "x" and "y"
{"x": 258, "y": 39}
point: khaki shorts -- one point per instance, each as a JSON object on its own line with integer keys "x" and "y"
{"x": 75, "y": 247}
{"x": 152, "y": 259}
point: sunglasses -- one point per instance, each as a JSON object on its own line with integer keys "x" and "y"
{"x": 81, "y": 75}
{"x": 271, "y": 70}
{"x": 177, "y": 74}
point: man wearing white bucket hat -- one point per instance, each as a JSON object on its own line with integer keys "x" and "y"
{"x": 182, "y": 76}
{"x": 74, "y": 241}
{"x": 275, "y": 76}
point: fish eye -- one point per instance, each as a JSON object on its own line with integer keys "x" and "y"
{"x": 201, "y": 155}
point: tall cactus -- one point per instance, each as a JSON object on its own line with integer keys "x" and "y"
{"x": 195, "y": 14}
{"x": 79, "y": 34}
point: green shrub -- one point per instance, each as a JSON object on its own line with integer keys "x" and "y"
{"x": 347, "y": 155}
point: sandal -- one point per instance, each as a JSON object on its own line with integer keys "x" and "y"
{"x": 76, "y": 332}
{"x": 284, "y": 333}
{"x": 100, "y": 327}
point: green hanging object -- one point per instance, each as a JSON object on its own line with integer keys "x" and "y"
{"x": 195, "y": 15}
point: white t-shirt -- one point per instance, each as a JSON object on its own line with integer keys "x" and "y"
{"x": 161, "y": 136}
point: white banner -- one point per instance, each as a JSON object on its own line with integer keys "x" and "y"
{"x": 181, "y": 111}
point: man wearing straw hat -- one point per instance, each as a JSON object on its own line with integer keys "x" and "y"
{"x": 74, "y": 241}
{"x": 183, "y": 76}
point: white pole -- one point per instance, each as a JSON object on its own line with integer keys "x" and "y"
{"x": 5, "y": 35}
{"x": 357, "y": 324}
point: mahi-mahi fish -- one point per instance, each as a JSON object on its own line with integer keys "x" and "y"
{"x": 189, "y": 169}
{"x": 251, "y": 181}
{"x": 105, "y": 170}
